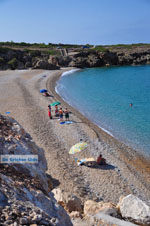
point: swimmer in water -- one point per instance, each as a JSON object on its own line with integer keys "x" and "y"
{"x": 131, "y": 105}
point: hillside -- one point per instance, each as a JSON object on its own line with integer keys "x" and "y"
{"x": 53, "y": 56}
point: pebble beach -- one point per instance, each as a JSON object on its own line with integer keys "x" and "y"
{"x": 127, "y": 171}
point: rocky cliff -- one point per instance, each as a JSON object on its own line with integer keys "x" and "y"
{"x": 25, "y": 189}
{"x": 21, "y": 59}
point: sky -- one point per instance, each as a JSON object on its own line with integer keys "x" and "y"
{"x": 97, "y": 22}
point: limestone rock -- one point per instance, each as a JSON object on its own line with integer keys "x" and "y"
{"x": 43, "y": 64}
{"x": 75, "y": 214}
{"x": 69, "y": 201}
{"x": 91, "y": 208}
{"x": 24, "y": 191}
{"x": 134, "y": 209}
{"x": 101, "y": 219}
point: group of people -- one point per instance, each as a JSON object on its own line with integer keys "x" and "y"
{"x": 58, "y": 113}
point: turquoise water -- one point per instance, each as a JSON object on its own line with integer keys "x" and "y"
{"x": 104, "y": 95}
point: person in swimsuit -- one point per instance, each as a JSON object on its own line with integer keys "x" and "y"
{"x": 66, "y": 114}
{"x": 49, "y": 112}
{"x": 101, "y": 160}
{"x": 56, "y": 111}
{"x": 131, "y": 105}
{"x": 61, "y": 114}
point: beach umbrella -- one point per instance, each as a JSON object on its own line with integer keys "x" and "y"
{"x": 55, "y": 103}
{"x": 77, "y": 148}
{"x": 43, "y": 90}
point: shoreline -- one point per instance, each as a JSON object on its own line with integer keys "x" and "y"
{"x": 134, "y": 160}
{"x": 125, "y": 173}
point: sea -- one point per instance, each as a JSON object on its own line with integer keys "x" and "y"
{"x": 104, "y": 96}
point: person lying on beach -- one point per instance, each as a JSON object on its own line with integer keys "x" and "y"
{"x": 100, "y": 160}
{"x": 46, "y": 94}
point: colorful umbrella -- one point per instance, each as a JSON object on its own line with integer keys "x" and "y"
{"x": 43, "y": 90}
{"x": 55, "y": 103}
{"x": 77, "y": 148}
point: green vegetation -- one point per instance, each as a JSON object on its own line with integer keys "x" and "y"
{"x": 38, "y": 45}
{"x": 38, "y": 49}
{"x": 2, "y": 61}
{"x": 13, "y": 63}
{"x": 4, "y": 50}
{"x": 100, "y": 49}
{"x": 54, "y": 52}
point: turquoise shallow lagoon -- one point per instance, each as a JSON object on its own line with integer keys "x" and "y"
{"x": 104, "y": 94}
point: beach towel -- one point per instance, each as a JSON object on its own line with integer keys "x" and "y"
{"x": 82, "y": 161}
{"x": 7, "y": 112}
{"x": 66, "y": 122}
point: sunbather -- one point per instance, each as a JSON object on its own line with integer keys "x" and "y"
{"x": 101, "y": 160}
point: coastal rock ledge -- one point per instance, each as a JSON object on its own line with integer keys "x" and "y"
{"x": 36, "y": 59}
{"x": 25, "y": 197}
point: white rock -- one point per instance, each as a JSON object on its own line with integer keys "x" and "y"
{"x": 134, "y": 209}
{"x": 69, "y": 201}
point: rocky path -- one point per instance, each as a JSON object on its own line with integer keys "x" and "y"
{"x": 19, "y": 94}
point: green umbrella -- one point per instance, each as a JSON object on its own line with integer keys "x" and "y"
{"x": 55, "y": 103}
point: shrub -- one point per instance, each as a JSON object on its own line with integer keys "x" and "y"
{"x": 2, "y": 61}
{"x": 53, "y": 52}
{"x": 13, "y": 63}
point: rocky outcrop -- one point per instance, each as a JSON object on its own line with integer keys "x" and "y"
{"x": 43, "y": 64}
{"x": 135, "y": 210}
{"x": 70, "y": 202}
{"x": 35, "y": 59}
{"x": 25, "y": 196}
{"x": 21, "y": 59}
{"x": 91, "y": 208}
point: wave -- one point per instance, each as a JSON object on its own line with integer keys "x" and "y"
{"x": 70, "y": 72}
{"x": 106, "y": 131}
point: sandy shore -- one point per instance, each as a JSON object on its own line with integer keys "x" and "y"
{"x": 126, "y": 173}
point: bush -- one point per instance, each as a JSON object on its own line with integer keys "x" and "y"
{"x": 13, "y": 63}
{"x": 53, "y": 52}
{"x": 100, "y": 49}
{"x": 2, "y": 61}
{"x": 4, "y": 50}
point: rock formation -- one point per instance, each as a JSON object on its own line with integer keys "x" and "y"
{"x": 25, "y": 196}
{"x": 36, "y": 59}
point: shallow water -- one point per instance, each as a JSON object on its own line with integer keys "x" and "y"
{"x": 104, "y": 95}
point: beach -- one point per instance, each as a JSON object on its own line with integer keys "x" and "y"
{"x": 126, "y": 173}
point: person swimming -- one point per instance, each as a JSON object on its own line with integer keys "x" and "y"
{"x": 131, "y": 104}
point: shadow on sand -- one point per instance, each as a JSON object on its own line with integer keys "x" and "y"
{"x": 101, "y": 167}
{"x": 55, "y": 182}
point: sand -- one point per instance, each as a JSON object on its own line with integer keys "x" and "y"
{"x": 127, "y": 172}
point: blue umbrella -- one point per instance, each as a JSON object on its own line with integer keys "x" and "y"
{"x": 43, "y": 90}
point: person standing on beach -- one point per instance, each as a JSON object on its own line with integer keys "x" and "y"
{"x": 49, "y": 112}
{"x": 61, "y": 114}
{"x": 56, "y": 111}
{"x": 66, "y": 114}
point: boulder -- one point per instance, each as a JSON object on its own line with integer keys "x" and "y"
{"x": 27, "y": 64}
{"x": 91, "y": 208}
{"x": 134, "y": 209}
{"x": 75, "y": 214}
{"x": 101, "y": 219}
{"x": 43, "y": 64}
{"x": 69, "y": 201}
